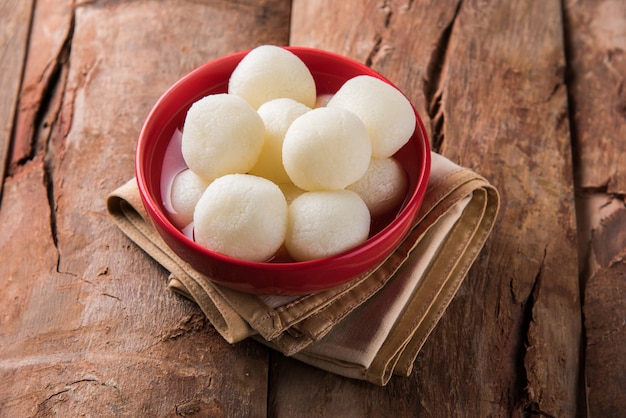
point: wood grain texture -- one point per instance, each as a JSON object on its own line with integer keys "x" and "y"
{"x": 597, "y": 54}
{"x": 15, "y": 18}
{"x": 606, "y": 340}
{"x": 41, "y": 90}
{"x": 529, "y": 94}
{"x": 596, "y": 47}
{"x": 505, "y": 115}
{"x": 92, "y": 328}
{"x": 488, "y": 78}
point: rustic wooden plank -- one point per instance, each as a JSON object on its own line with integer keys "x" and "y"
{"x": 488, "y": 78}
{"x": 298, "y": 387}
{"x": 504, "y": 107}
{"x": 48, "y": 49}
{"x": 597, "y": 42}
{"x": 15, "y": 17}
{"x": 605, "y": 373}
{"x": 25, "y": 216}
{"x": 596, "y": 39}
{"x": 92, "y": 328}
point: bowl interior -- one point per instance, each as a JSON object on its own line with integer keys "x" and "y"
{"x": 330, "y": 71}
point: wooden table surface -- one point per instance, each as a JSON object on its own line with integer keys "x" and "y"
{"x": 530, "y": 94}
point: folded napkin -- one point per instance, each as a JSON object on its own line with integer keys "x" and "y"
{"x": 369, "y": 328}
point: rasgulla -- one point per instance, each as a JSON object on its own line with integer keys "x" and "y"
{"x": 325, "y": 223}
{"x": 222, "y": 135}
{"x": 277, "y": 115}
{"x": 186, "y": 190}
{"x": 383, "y": 187}
{"x": 269, "y": 72}
{"x": 326, "y": 149}
{"x": 387, "y": 113}
{"x": 242, "y": 216}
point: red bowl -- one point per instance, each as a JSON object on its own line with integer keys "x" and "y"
{"x": 330, "y": 71}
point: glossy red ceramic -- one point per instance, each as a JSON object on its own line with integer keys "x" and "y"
{"x": 330, "y": 71}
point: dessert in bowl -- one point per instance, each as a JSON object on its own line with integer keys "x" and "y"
{"x": 159, "y": 158}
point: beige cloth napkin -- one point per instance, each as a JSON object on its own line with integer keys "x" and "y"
{"x": 369, "y": 328}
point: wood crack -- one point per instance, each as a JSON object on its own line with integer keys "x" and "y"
{"x": 40, "y": 106}
{"x": 379, "y": 50}
{"x": 604, "y": 189}
{"x": 387, "y": 9}
{"x": 433, "y": 84}
{"x": 57, "y": 84}
{"x": 71, "y": 386}
{"x": 370, "y": 57}
{"x": 33, "y": 135}
{"x": 112, "y": 296}
{"x": 528, "y": 397}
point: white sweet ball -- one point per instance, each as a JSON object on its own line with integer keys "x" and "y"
{"x": 326, "y": 149}
{"x": 326, "y": 223}
{"x": 185, "y": 192}
{"x": 383, "y": 187}
{"x": 387, "y": 113}
{"x": 277, "y": 115}
{"x": 269, "y": 72}
{"x": 242, "y": 216}
{"x": 222, "y": 135}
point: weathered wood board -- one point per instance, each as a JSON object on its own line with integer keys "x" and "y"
{"x": 596, "y": 47}
{"x": 15, "y": 17}
{"x": 529, "y": 94}
{"x": 489, "y": 80}
{"x": 90, "y": 327}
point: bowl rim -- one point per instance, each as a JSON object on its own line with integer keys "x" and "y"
{"x": 156, "y": 213}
